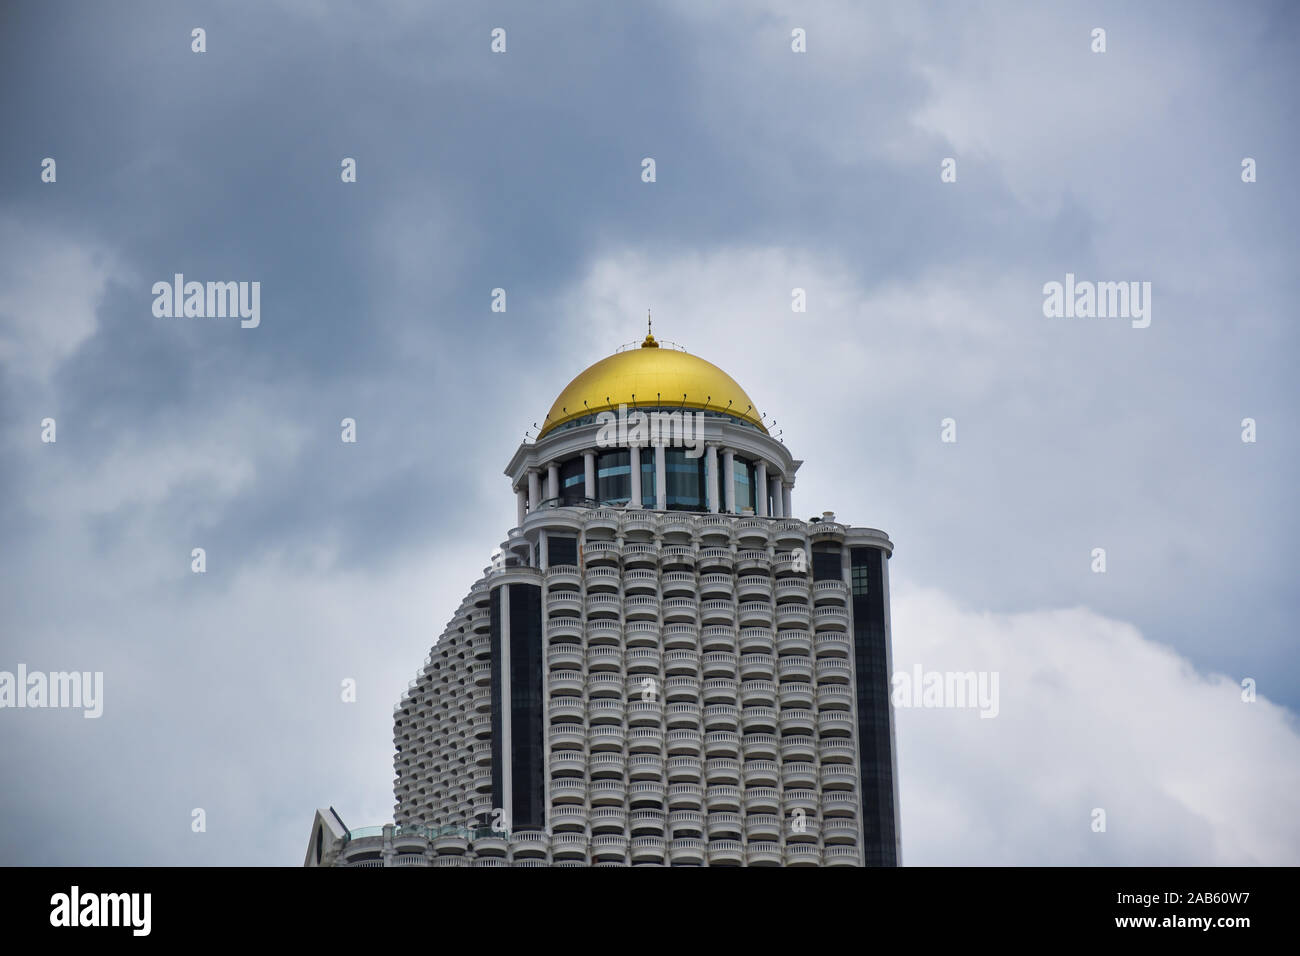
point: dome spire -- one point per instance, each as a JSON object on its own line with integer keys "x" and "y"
{"x": 649, "y": 342}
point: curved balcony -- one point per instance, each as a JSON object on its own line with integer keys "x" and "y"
{"x": 643, "y": 793}
{"x": 831, "y": 618}
{"x": 564, "y": 629}
{"x": 645, "y": 740}
{"x": 640, "y": 522}
{"x": 451, "y": 842}
{"x": 755, "y": 587}
{"x": 604, "y": 632}
{"x": 795, "y": 668}
{"x": 681, "y": 688}
{"x": 831, "y": 670}
{"x": 750, "y": 560}
{"x": 685, "y": 636}
{"x": 645, "y": 766}
{"x": 799, "y": 776}
{"x": 838, "y": 777}
{"x": 563, "y": 683}
{"x": 721, "y": 770}
{"x": 792, "y": 589}
{"x": 644, "y": 712}
{"x": 528, "y": 844}
{"x": 685, "y": 796}
{"x": 683, "y": 713}
{"x": 568, "y": 763}
{"x": 761, "y": 746}
{"x": 758, "y": 693}
{"x": 793, "y": 616}
{"x": 647, "y": 849}
{"x": 481, "y": 725}
{"x": 637, "y": 554}
{"x": 609, "y": 846}
{"x": 833, "y": 644}
{"x": 681, "y": 662}
{"x": 762, "y": 800}
{"x": 805, "y": 800}
{"x": 794, "y": 643}
{"x": 563, "y": 576}
{"x": 481, "y": 645}
{"x": 641, "y": 607}
{"x": 840, "y": 830}
{"x": 718, "y": 690}
{"x": 756, "y": 640}
{"x": 481, "y": 674}
{"x": 757, "y": 667}
{"x": 568, "y": 790}
{"x": 802, "y": 854}
{"x": 600, "y": 553}
{"x": 647, "y": 822}
{"x": 839, "y": 803}
{"x": 684, "y": 741}
{"x": 686, "y": 823}
{"x": 842, "y": 856}
{"x": 644, "y": 660}
{"x": 762, "y": 827}
{"x": 686, "y": 851}
{"x": 834, "y": 724}
{"x": 603, "y": 578}
{"x": 718, "y": 664}
{"x": 641, "y": 633}
{"x": 569, "y": 818}
{"x": 721, "y": 717}
{"x": 722, "y": 743}
{"x": 605, "y": 684}
{"x": 834, "y": 697}
{"x": 763, "y": 853}
{"x": 798, "y": 748}
{"x": 760, "y": 719}
{"x": 756, "y": 614}
{"x": 569, "y": 845}
{"x": 796, "y": 696}
{"x": 604, "y": 657}
{"x": 681, "y": 609}
{"x": 677, "y": 556}
{"x": 796, "y": 722}
{"x": 718, "y": 611}
{"x": 725, "y": 825}
{"x": 836, "y": 750}
{"x": 715, "y": 560}
{"x": 567, "y": 710}
{"x": 718, "y": 637}
{"x": 825, "y": 529}
{"x": 684, "y": 770}
{"x": 726, "y": 853}
{"x": 832, "y": 592}
{"x": 608, "y": 819}
{"x": 675, "y": 524}
{"x": 561, "y": 656}
{"x": 564, "y": 603}
{"x": 607, "y": 737}
{"x": 604, "y": 710}
{"x": 604, "y": 793}
{"x": 603, "y": 606}
{"x": 762, "y": 773}
{"x": 716, "y": 586}
{"x": 680, "y": 583}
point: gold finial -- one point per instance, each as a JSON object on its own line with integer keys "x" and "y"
{"x": 649, "y": 342}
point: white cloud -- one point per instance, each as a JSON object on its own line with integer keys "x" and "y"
{"x": 1092, "y": 714}
{"x": 50, "y": 287}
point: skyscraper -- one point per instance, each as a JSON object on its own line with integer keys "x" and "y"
{"x": 662, "y": 665}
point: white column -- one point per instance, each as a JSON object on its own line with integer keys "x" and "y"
{"x": 634, "y": 458}
{"x": 785, "y": 498}
{"x": 729, "y": 479}
{"x": 589, "y": 470}
{"x": 521, "y": 506}
{"x": 778, "y": 506}
{"x": 760, "y": 489}
{"x": 661, "y": 478}
{"x": 552, "y": 480}
{"x": 534, "y": 489}
{"x": 543, "y": 551}
{"x": 711, "y": 478}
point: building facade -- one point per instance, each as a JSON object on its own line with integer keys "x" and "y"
{"x": 662, "y": 665}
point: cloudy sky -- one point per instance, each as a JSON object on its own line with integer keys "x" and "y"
{"x": 775, "y": 170}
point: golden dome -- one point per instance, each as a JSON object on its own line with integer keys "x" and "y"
{"x": 651, "y": 377}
